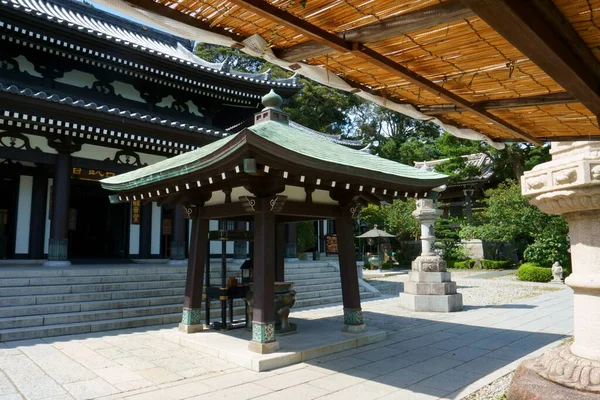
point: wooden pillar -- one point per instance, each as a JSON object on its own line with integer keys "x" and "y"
{"x": 280, "y": 253}
{"x": 61, "y": 191}
{"x": 353, "y": 318}
{"x": 146, "y": 231}
{"x": 37, "y": 228}
{"x": 263, "y": 316}
{"x": 177, "y": 255}
{"x": 192, "y": 305}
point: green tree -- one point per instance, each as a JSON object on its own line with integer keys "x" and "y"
{"x": 509, "y": 217}
{"x": 306, "y": 239}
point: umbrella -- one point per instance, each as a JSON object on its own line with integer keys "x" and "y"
{"x": 376, "y": 233}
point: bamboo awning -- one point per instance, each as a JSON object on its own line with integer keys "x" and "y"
{"x": 511, "y": 70}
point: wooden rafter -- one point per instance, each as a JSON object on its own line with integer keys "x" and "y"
{"x": 266, "y": 10}
{"x": 540, "y": 31}
{"x": 503, "y": 104}
{"x": 435, "y": 15}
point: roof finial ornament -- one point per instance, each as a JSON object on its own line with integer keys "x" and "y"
{"x": 272, "y": 101}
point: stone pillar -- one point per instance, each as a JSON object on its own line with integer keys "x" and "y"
{"x": 569, "y": 185}
{"x": 353, "y": 318}
{"x": 58, "y": 247}
{"x": 263, "y": 315}
{"x": 177, "y": 256}
{"x": 240, "y": 249}
{"x": 291, "y": 251}
{"x": 429, "y": 287}
{"x": 191, "y": 320}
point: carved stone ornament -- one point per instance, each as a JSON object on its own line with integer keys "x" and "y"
{"x": 565, "y": 177}
{"x": 561, "y": 366}
{"x": 595, "y": 171}
{"x": 567, "y": 201}
{"x": 536, "y": 182}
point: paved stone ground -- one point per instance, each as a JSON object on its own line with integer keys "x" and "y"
{"x": 426, "y": 356}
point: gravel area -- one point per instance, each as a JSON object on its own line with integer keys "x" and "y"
{"x": 476, "y": 292}
{"x": 494, "y": 391}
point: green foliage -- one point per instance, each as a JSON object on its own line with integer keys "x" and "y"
{"x": 395, "y": 218}
{"x": 550, "y": 245}
{"x": 373, "y": 214}
{"x": 386, "y": 265}
{"x": 509, "y": 217}
{"x": 306, "y": 239}
{"x": 466, "y": 264}
{"x": 532, "y": 272}
{"x": 494, "y": 264}
{"x": 448, "y": 239}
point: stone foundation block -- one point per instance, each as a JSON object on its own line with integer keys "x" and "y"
{"x": 431, "y": 277}
{"x": 57, "y": 264}
{"x": 528, "y": 385}
{"x": 429, "y": 264}
{"x": 354, "y": 328}
{"x": 424, "y": 288}
{"x": 184, "y": 328}
{"x": 263, "y": 348}
{"x": 444, "y": 303}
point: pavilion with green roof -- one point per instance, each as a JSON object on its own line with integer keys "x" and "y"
{"x": 271, "y": 174}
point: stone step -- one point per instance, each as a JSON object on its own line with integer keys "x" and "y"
{"x": 81, "y": 271}
{"x": 87, "y": 327}
{"x": 314, "y": 281}
{"x": 77, "y": 280}
{"x": 81, "y": 297}
{"x": 321, "y": 286}
{"x": 42, "y": 309}
{"x": 86, "y": 316}
{"x": 327, "y": 300}
{"x": 85, "y": 288}
{"x": 299, "y": 275}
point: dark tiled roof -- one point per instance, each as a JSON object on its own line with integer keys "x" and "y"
{"x": 87, "y": 19}
{"x": 107, "y": 109}
{"x": 337, "y": 139}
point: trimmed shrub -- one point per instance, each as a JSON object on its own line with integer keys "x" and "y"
{"x": 532, "y": 272}
{"x": 493, "y": 264}
{"x": 467, "y": 264}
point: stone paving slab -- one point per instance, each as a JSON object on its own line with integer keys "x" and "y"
{"x": 423, "y": 356}
{"x": 315, "y": 338}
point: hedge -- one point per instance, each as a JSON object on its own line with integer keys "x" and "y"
{"x": 492, "y": 264}
{"x": 467, "y": 264}
{"x": 532, "y": 272}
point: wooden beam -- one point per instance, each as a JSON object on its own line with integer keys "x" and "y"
{"x": 503, "y": 104}
{"x": 282, "y": 17}
{"x": 539, "y": 30}
{"x": 268, "y": 11}
{"x": 385, "y": 63}
{"x": 428, "y": 17}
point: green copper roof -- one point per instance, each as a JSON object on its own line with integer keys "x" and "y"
{"x": 320, "y": 153}
{"x": 326, "y": 151}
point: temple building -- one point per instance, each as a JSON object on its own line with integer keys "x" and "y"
{"x": 86, "y": 95}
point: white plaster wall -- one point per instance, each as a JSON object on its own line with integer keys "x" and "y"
{"x": 26, "y": 66}
{"x": 134, "y": 235}
{"x": 48, "y": 222}
{"x": 127, "y": 91}
{"x": 101, "y": 153}
{"x": 156, "y": 222}
{"x": 24, "y": 214}
{"x": 78, "y": 78}
{"x": 41, "y": 143}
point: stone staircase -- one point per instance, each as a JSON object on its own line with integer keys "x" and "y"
{"x": 37, "y": 302}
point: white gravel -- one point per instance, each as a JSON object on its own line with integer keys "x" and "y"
{"x": 476, "y": 291}
{"x": 494, "y": 391}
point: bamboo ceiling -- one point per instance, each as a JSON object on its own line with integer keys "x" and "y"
{"x": 472, "y": 63}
